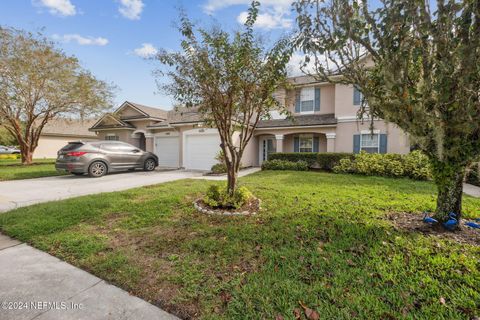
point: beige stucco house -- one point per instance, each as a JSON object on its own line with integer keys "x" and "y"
{"x": 58, "y": 132}
{"x": 324, "y": 119}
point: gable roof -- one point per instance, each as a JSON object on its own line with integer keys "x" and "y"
{"x": 119, "y": 123}
{"x": 69, "y": 127}
{"x": 178, "y": 116}
{"x": 150, "y": 111}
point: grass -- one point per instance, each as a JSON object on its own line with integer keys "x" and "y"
{"x": 14, "y": 170}
{"x": 320, "y": 239}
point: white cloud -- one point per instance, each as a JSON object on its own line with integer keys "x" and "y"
{"x": 273, "y": 13}
{"x": 296, "y": 61}
{"x": 146, "y": 50}
{"x": 214, "y": 5}
{"x": 268, "y": 20}
{"x": 131, "y": 9}
{"x": 58, "y": 7}
{"x": 81, "y": 40}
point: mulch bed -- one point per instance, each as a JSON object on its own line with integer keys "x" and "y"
{"x": 250, "y": 208}
{"x": 413, "y": 222}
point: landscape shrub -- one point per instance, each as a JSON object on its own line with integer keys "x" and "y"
{"x": 417, "y": 165}
{"x": 219, "y": 168}
{"x": 309, "y": 157}
{"x": 320, "y": 160}
{"x": 414, "y": 165}
{"x": 218, "y": 197}
{"x": 473, "y": 175}
{"x": 285, "y": 165}
{"x": 9, "y": 156}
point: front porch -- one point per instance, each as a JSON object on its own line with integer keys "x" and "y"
{"x": 307, "y": 140}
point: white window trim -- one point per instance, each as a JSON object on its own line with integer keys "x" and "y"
{"x": 313, "y": 100}
{"x": 305, "y": 136}
{"x": 375, "y": 133}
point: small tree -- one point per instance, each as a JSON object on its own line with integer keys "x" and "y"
{"x": 424, "y": 75}
{"x": 39, "y": 83}
{"x": 230, "y": 79}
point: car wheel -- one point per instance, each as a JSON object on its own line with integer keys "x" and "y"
{"x": 97, "y": 169}
{"x": 149, "y": 165}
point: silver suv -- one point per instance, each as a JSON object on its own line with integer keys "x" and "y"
{"x": 97, "y": 158}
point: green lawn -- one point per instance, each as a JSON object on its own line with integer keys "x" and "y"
{"x": 320, "y": 239}
{"x": 14, "y": 170}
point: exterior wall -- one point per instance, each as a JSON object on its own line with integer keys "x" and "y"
{"x": 397, "y": 140}
{"x": 327, "y": 98}
{"x": 123, "y": 135}
{"x": 48, "y": 146}
{"x": 344, "y": 102}
{"x": 250, "y": 154}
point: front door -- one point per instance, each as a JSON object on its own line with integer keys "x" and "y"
{"x": 268, "y": 146}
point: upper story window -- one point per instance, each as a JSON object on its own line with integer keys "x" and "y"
{"x": 357, "y": 96}
{"x": 370, "y": 143}
{"x": 307, "y": 100}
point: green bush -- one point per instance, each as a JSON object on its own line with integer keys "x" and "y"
{"x": 218, "y": 197}
{"x": 417, "y": 165}
{"x": 321, "y": 160}
{"x": 473, "y": 175}
{"x": 285, "y": 165}
{"x": 328, "y": 160}
{"x": 414, "y": 165}
{"x": 309, "y": 157}
{"x": 219, "y": 168}
{"x": 9, "y": 156}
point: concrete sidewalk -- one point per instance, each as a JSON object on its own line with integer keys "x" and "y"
{"x": 471, "y": 190}
{"x": 36, "y": 285}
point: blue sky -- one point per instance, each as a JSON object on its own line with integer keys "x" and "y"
{"x": 110, "y": 36}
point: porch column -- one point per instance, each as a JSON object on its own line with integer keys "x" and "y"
{"x": 331, "y": 141}
{"x": 279, "y": 140}
{"x": 149, "y": 141}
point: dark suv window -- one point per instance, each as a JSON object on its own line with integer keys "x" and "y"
{"x": 72, "y": 146}
{"x": 117, "y": 147}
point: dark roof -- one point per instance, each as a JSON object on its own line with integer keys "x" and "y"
{"x": 69, "y": 127}
{"x": 180, "y": 115}
{"x": 151, "y": 111}
{"x": 299, "y": 121}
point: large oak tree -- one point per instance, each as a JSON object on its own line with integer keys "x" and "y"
{"x": 38, "y": 83}
{"x": 424, "y": 75}
{"x": 230, "y": 79}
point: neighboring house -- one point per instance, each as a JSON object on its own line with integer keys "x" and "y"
{"x": 324, "y": 119}
{"x": 58, "y": 132}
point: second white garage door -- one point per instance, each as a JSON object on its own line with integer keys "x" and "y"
{"x": 167, "y": 149}
{"x": 200, "y": 151}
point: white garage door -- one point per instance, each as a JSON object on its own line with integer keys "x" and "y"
{"x": 167, "y": 149}
{"x": 200, "y": 151}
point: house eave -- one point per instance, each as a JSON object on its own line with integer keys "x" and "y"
{"x": 299, "y": 126}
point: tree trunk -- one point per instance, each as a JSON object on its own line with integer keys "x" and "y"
{"x": 449, "y": 181}
{"x": 231, "y": 179}
{"x": 26, "y": 154}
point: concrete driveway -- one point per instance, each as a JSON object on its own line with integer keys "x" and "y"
{"x": 20, "y": 193}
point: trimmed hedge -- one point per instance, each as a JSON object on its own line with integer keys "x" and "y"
{"x": 473, "y": 175}
{"x": 10, "y": 156}
{"x": 320, "y": 160}
{"x": 285, "y": 165}
{"x": 414, "y": 165}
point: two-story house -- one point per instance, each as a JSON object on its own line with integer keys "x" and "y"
{"x": 324, "y": 119}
